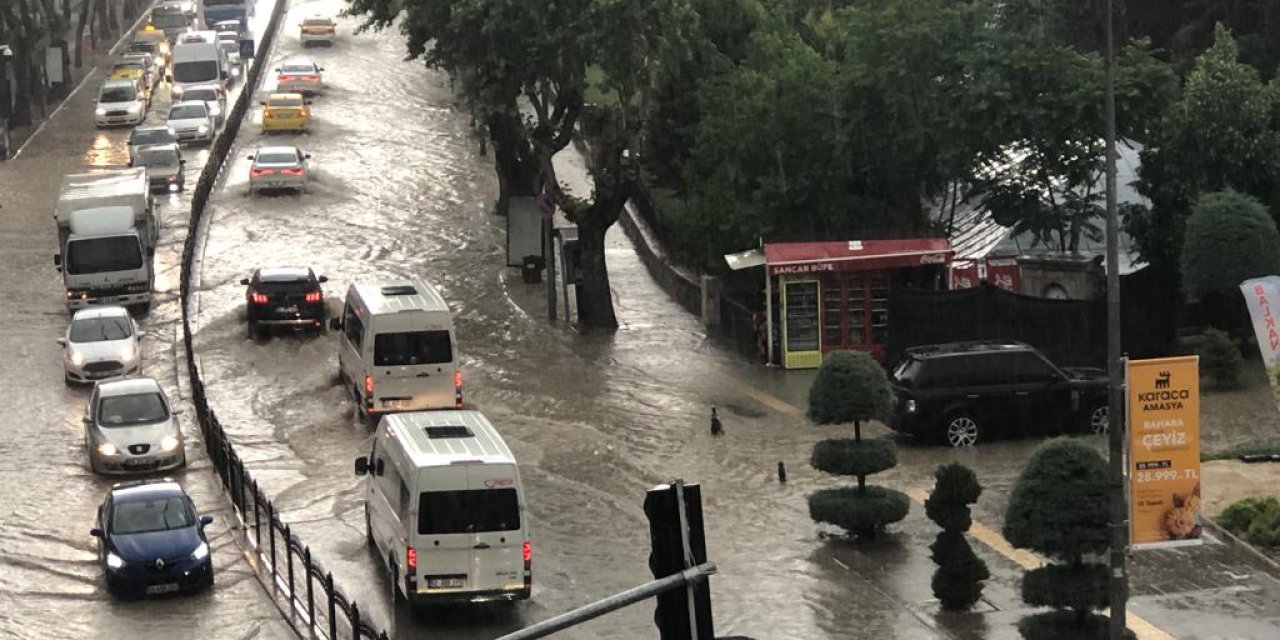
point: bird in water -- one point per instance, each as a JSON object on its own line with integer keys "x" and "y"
{"x": 716, "y": 427}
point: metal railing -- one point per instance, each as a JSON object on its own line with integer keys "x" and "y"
{"x": 296, "y": 574}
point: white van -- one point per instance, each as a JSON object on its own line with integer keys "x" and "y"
{"x": 396, "y": 348}
{"x": 197, "y": 59}
{"x": 444, "y": 508}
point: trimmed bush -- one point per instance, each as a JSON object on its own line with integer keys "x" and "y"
{"x": 859, "y": 513}
{"x": 1220, "y": 359}
{"x": 1065, "y": 586}
{"x": 849, "y": 457}
{"x": 850, "y": 387}
{"x": 957, "y": 584}
{"x": 1237, "y": 517}
{"x": 1230, "y": 237}
{"x": 1067, "y": 625}
{"x": 955, "y": 488}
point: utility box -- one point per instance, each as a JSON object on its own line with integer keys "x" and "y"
{"x": 711, "y": 289}
{"x": 531, "y": 269}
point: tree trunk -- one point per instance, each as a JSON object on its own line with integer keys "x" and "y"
{"x": 513, "y": 160}
{"x": 104, "y": 28}
{"x": 857, "y": 431}
{"x": 862, "y": 485}
{"x": 22, "y": 84}
{"x": 595, "y": 310}
{"x": 84, "y": 18}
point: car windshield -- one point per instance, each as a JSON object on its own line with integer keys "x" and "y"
{"x": 285, "y": 102}
{"x": 144, "y": 47}
{"x": 316, "y": 22}
{"x": 118, "y": 94}
{"x": 277, "y": 158}
{"x": 156, "y": 514}
{"x": 169, "y": 20}
{"x": 284, "y": 286}
{"x": 297, "y": 68}
{"x": 196, "y": 71}
{"x": 208, "y": 95}
{"x": 150, "y": 136}
{"x": 158, "y": 157}
{"x": 412, "y": 347}
{"x": 474, "y": 511}
{"x": 137, "y": 408}
{"x": 229, "y": 46}
{"x": 101, "y": 329}
{"x": 101, "y": 255}
{"x": 188, "y": 111}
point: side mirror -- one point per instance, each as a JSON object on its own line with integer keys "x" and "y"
{"x": 335, "y": 324}
{"x": 362, "y": 466}
{"x": 57, "y": 260}
{"x": 182, "y": 161}
{"x": 249, "y": 157}
{"x": 306, "y": 101}
{"x": 86, "y": 420}
{"x": 306, "y": 156}
{"x": 206, "y": 520}
{"x": 323, "y": 279}
{"x": 319, "y": 68}
{"x": 262, "y": 102}
{"x": 244, "y": 281}
{"x": 96, "y": 532}
{"x": 61, "y": 341}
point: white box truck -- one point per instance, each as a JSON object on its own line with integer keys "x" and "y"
{"x": 107, "y": 234}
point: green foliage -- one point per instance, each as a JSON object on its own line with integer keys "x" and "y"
{"x": 956, "y": 487}
{"x": 850, "y": 387}
{"x": 863, "y": 514}
{"x": 849, "y": 457}
{"x": 1230, "y": 238}
{"x": 957, "y": 583}
{"x": 1257, "y": 520}
{"x": 1067, "y": 625}
{"x": 1058, "y": 505}
{"x": 1220, "y": 358}
{"x": 1067, "y": 586}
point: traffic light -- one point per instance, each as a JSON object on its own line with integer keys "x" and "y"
{"x": 668, "y": 557}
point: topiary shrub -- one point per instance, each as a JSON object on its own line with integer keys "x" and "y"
{"x": 852, "y": 387}
{"x": 1230, "y": 237}
{"x": 1257, "y": 520}
{"x": 1220, "y": 358}
{"x": 1058, "y": 507}
{"x": 957, "y": 584}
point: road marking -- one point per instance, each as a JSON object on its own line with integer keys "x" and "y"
{"x": 986, "y": 535}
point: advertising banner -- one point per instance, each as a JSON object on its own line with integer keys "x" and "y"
{"x": 1259, "y": 293}
{"x": 1163, "y": 398}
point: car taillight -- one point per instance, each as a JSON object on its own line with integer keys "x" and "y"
{"x": 368, "y": 385}
{"x": 291, "y": 172}
{"x": 258, "y": 173}
{"x": 258, "y": 298}
{"x": 411, "y": 559}
{"x": 311, "y": 78}
{"x": 528, "y": 551}
{"x": 313, "y": 296}
{"x": 457, "y": 389}
{"x": 284, "y": 78}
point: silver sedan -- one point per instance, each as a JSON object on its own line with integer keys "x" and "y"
{"x": 279, "y": 168}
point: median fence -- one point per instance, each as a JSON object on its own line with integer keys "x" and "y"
{"x": 310, "y": 590}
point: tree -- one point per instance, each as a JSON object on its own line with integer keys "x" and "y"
{"x": 1220, "y": 358}
{"x": 1058, "y": 508}
{"x": 958, "y": 581}
{"x": 851, "y": 387}
{"x": 1230, "y": 238}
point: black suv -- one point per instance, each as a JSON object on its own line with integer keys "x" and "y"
{"x": 963, "y": 393}
{"x": 284, "y": 297}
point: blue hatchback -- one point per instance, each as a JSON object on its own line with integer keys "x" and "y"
{"x": 150, "y": 540}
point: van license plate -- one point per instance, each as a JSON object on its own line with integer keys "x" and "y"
{"x": 395, "y": 404}
{"x": 168, "y": 587}
{"x": 446, "y": 583}
{"x": 286, "y": 309}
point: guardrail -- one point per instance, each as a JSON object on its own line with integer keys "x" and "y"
{"x": 324, "y": 610}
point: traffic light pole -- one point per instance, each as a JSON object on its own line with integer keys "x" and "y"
{"x": 1119, "y": 526}
{"x": 689, "y": 562}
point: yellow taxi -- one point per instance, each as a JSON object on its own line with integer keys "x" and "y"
{"x": 158, "y": 43}
{"x": 286, "y": 112}
{"x": 137, "y": 73}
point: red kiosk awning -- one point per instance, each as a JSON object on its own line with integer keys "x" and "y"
{"x": 854, "y": 255}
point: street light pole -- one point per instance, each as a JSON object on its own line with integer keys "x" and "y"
{"x": 1119, "y": 579}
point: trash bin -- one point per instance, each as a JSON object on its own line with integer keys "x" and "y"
{"x": 531, "y": 269}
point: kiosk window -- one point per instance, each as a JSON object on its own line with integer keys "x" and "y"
{"x": 802, "y": 316}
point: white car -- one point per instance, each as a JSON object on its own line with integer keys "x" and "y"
{"x": 129, "y": 427}
{"x": 120, "y": 102}
{"x": 279, "y": 168}
{"x": 213, "y": 95}
{"x": 299, "y": 75}
{"x": 192, "y": 121}
{"x": 101, "y": 343}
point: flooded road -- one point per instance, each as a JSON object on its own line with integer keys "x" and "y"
{"x": 50, "y": 581}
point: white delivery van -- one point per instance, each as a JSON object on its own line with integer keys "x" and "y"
{"x": 445, "y": 510}
{"x": 197, "y": 59}
{"x": 396, "y": 348}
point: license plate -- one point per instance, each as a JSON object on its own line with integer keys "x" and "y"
{"x": 138, "y": 462}
{"x": 446, "y": 583}
{"x": 286, "y": 309}
{"x": 168, "y": 587}
{"x": 395, "y": 404}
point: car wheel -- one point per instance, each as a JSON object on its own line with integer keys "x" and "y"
{"x": 368, "y": 531}
{"x": 1099, "y": 420}
{"x": 253, "y": 331}
{"x": 397, "y": 596}
{"x": 961, "y": 430}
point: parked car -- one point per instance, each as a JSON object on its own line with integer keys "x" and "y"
{"x": 278, "y": 168}
{"x": 101, "y": 343}
{"x": 286, "y": 112}
{"x": 151, "y": 540}
{"x": 120, "y": 102}
{"x": 299, "y": 75}
{"x": 192, "y": 121}
{"x": 284, "y": 297}
{"x": 164, "y": 165}
{"x": 148, "y": 135}
{"x": 963, "y": 393}
{"x": 318, "y": 30}
{"x": 129, "y": 427}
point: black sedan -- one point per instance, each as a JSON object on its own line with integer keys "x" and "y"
{"x": 284, "y": 297}
{"x": 151, "y": 541}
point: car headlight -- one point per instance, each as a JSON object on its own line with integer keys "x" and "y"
{"x": 911, "y": 406}
{"x": 101, "y": 111}
{"x": 173, "y": 186}
{"x": 201, "y": 552}
{"x": 169, "y": 443}
{"x": 204, "y": 128}
{"x": 108, "y": 449}
{"x": 135, "y": 107}
{"x": 114, "y": 561}
{"x": 77, "y": 358}
{"x": 130, "y": 352}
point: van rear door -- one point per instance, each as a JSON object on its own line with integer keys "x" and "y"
{"x": 413, "y": 363}
{"x": 443, "y": 542}
{"x": 498, "y": 524}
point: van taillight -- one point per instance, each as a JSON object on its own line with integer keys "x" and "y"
{"x": 457, "y": 389}
{"x": 313, "y": 296}
{"x": 368, "y": 385}
{"x": 528, "y": 551}
{"x": 411, "y": 559}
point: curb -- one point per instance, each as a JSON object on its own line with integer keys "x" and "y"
{"x": 1235, "y": 541}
